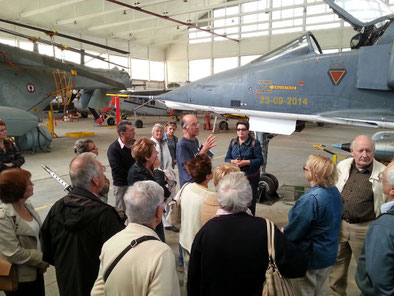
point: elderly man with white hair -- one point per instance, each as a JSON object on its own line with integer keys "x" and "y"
{"x": 161, "y": 147}
{"x": 135, "y": 261}
{"x": 229, "y": 254}
{"x": 375, "y": 270}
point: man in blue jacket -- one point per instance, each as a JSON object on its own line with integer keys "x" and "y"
{"x": 375, "y": 270}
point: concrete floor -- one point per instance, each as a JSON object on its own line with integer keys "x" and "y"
{"x": 287, "y": 155}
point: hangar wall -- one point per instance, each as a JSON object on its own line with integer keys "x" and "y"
{"x": 177, "y": 56}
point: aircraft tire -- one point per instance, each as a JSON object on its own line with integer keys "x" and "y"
{"x": 139, "y": 123}
{"x": 111, "y": 121}
{"x": 223, "y": 125}
{"x": 267, "y": 184}
{"x": 84, "y": 114}
{"x": 273, "y": 178}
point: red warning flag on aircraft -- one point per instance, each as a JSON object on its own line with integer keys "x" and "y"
{"x": 336, "y": 75}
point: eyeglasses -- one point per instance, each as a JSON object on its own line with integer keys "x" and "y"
{"x": 241, "y": 129}
{"x": 305, "y": 169}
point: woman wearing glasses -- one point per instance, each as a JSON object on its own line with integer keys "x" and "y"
{"x": 314, "y": 224}
{"x": 245, "y": 152}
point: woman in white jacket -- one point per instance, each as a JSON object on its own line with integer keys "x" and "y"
{"x": 19, "y": 232}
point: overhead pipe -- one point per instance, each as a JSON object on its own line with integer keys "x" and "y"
{"x": 170, "y": 19}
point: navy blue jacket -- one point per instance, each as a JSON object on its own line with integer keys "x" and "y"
{"x": 314, "y": 225}
{"x": 246, "y": 152}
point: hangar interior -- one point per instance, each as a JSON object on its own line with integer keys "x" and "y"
{"x": 163, "y": 51}
{"x": 172, "y": 42}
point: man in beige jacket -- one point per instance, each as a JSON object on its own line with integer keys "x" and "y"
{"x": 362, "y": 196}
{"x": 148, "y": 268}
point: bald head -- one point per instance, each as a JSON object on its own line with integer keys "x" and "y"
{"x": 191, "y": 127}
{"x": 388, "y": 181}
{"x": 362, "y": 149}
{"x": 85, "y": 171}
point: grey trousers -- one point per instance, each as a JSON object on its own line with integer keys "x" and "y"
{"x": 312, "y": 284}
{"x": 119, "y": 192}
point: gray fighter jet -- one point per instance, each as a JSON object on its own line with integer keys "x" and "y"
{"x": 296, "y": 82}
{"x": 27, "y": 86}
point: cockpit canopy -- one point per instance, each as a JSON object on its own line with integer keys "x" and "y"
{"x": 369, "y": 17}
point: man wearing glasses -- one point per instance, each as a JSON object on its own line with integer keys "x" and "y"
{"x": 362, "y": 197}
{"x": 375, "y": 270}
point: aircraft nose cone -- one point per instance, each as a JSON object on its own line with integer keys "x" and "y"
{"x": 345, "y": 146}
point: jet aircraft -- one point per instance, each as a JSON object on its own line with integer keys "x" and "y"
{"x": 27, "y": 87}
{"x": 297, "y": 82}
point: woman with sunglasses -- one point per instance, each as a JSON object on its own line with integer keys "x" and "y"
{"x": 245, "y": 152}
{"x": 314, "y": 224}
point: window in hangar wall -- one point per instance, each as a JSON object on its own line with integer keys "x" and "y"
{"x": 156, "y": 70}
{"x": 10, "y": 42}
{"x": 223, "y": 64}
{"x": 96, "y": 63}
{"x": 122, "y": 62}
{"x": 265, "y": 17}
{"x": 199, "y": 69}
{"x": 139, "y": 69}
{"x": 147, "y": 70}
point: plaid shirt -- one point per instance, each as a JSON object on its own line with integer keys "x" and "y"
{"x": 10, "y": 155}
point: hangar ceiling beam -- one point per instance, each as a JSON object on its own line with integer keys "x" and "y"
{"x": 106, "y": 12}
{"x": 185, "y": 12}
{"x": 171, "y": 19}
{"x": 48, "y": 8}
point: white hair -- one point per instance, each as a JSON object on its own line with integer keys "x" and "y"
{"x": 157, "y": 125}
{"x": 234, "y": 192}
{"x": 390, "y": 175}
{"x": 83, "y": 168}
{"x": 353, "y": 142}
{"x": 142, "y": 200}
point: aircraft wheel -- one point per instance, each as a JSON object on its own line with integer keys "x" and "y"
{"x": 139, "y": 123}
{"x": 84, "y": 114}
{"x": 320, "y": 124}
{"x": 273, "y": 178}
{"x": 124, "y": 117}
{"x": 267, "y": 184}
{"x": 111, "y": 121}
{"x": 223, "y": 125}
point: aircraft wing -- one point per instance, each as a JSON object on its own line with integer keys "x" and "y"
{"x": 19, "y": 122}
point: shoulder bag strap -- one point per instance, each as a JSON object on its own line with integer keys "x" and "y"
{"x": 272, "y": 226}
{"x": 269, "y": 245}
{"x": 133, "y": 244}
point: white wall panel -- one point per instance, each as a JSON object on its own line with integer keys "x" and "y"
{"x": 177, "y": 71}
{"x": 225, "y": 49}
{"x": 200, "y": 51}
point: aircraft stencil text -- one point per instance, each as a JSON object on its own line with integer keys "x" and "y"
{"x": 284, "y": 101}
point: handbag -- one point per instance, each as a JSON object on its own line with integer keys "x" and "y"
{"x": 174, "y": 213}
{"x": 275, "y": 284}
{"x": 8, "y": 276}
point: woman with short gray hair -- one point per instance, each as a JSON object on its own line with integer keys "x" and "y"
{"x": 233, "y": 247}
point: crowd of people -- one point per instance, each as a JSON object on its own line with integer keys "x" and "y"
{"x": 95, "y": 248}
